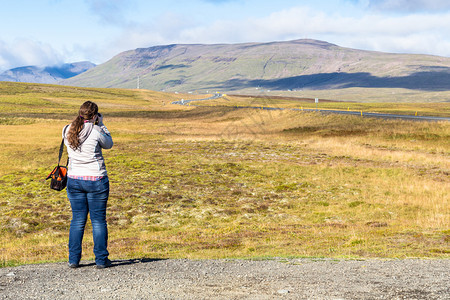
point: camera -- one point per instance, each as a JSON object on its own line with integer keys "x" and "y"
{"x": 99, "y": 115}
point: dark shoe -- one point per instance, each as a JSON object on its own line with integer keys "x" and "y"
{"x": 106, "y": 265}
{"x": 73, "y": 266}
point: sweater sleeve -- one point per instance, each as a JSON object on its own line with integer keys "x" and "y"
{"x": 105, "y": 139}
{"x": 64, "y": 131}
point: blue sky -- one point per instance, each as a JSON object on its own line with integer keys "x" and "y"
{"x": 49, "y": 32}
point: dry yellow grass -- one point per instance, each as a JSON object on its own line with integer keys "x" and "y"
{"x": 208, "y": 182}
{"x": 366, "y": 95}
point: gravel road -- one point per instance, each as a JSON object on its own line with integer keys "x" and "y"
{"x": 232, "y": 279}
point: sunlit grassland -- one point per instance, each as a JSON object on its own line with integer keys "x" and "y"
{"x": 215, "y": 182}
{"x": 440, "y": 109}
{"x": 365, "y": 95}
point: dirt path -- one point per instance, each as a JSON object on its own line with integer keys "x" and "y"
{"x": 232, "y": 279}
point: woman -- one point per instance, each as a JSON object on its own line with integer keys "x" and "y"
{"x": 88, "y": 183}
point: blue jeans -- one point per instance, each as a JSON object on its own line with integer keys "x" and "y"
{"x": 88, "y": 197}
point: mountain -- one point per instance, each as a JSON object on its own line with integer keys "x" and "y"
{"x": 52, "y": 74}
{"x": 290, "y": 65}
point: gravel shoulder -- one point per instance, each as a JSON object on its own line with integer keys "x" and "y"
{"x": 231, "y": 279}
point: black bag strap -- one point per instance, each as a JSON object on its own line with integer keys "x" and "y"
{"x": 61, "y": 148}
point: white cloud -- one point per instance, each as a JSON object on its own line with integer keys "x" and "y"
{"x": 168, "y": 28}
{"x": 356, "y": 27}
{"x": 219, "y": 1}
{"x": 26, "y": 52}
{"x": 415, "y": 33}
{"x": 410, "y": 5}
{"x": 422, "y": 33}
{"x": 111, "y": 12}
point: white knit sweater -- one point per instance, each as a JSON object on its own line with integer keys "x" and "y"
{"x": 88, "y": 159}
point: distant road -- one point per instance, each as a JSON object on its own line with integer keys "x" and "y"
{"x": 327, "y": 111}
{"x": 379, "y": 115}
{"x": 186, "y": 102}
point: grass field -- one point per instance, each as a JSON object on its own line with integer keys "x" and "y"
{"x": 365, "y": 95}
{"x": 440, "y": 109}
{"x": 215, "y": 182}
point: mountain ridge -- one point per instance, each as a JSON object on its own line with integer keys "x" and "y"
{"x": 48, "y": 74}
{"x": 289, "y": 65}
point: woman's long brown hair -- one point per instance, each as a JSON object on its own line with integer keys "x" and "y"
{"x": 87, "y": 112}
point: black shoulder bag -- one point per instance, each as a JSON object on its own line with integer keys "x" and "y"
{"x": 59, "y": 174}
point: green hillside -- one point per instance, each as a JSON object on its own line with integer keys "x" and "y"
{"x": 283, "y": 66}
